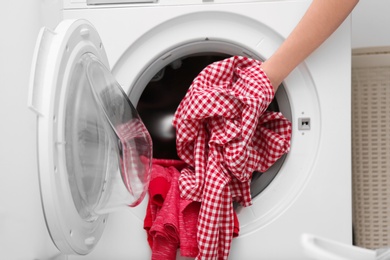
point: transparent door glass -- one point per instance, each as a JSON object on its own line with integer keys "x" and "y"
{"x": 108, "y": 149}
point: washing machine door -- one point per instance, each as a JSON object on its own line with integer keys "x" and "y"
{"x": 94, "y": 152}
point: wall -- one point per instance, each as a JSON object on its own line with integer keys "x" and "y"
{"x": 23, "y": 233}
{"x": 371, "y": 24}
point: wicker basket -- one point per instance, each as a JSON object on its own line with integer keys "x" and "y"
{"x": 371, "y": 147}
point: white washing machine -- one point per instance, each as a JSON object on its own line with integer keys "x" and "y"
{"x": 307, "y": 191}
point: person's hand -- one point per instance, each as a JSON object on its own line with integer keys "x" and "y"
{"x": 321, "y": 19}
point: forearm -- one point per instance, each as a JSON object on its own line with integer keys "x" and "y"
{"x": 321, "y": 19}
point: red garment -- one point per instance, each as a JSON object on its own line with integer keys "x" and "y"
{"x": 224, "y": 134}
{"x": 170, "y": 221}
{"x": 162, "y": 217}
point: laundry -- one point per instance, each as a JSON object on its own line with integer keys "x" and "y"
{"x": 224, "y": 133}
{"x": 171, "y": 222}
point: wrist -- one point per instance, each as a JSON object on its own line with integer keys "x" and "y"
{"x": 272, "y": 75}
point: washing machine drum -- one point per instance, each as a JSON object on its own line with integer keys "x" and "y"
{"x": 94, "y": 152}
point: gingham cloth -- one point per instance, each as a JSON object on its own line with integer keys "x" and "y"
{"x": 225, "y": 133}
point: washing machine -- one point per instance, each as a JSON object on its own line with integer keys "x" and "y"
{"x": 141, "y": 56}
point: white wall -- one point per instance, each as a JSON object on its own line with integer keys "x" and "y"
{"x": 23, "y": 234}
{"x": 371, "y": 24}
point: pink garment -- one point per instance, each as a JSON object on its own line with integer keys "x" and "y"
{"x": 170, "y": 221}
{"x": 162, "y": 218}
{"x": 224, "y": 134}
{"x": 165, "y": 228}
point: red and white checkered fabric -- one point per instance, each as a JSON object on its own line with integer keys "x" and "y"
{"x": 225, "y": 133}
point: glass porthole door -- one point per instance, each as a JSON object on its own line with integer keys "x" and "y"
{"x": 94, "y": 152}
